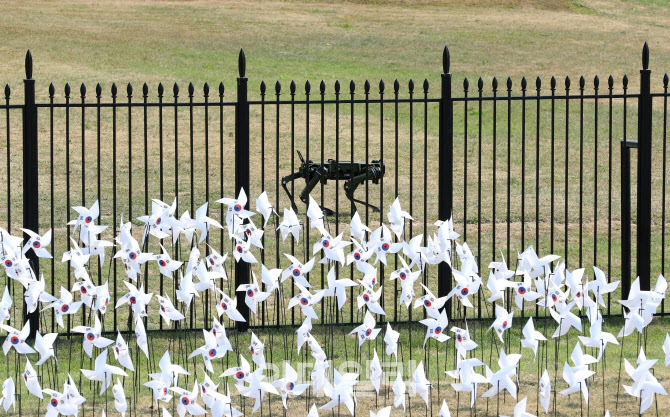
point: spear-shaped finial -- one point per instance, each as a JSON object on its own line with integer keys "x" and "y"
{"x": 242, "y": 64}
{"x": 29, "y": 65}
{"x": 645, "y": 56}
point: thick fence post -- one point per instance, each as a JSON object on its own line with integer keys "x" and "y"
{"x": 242, "y": 177}
{"x": 446, "y": 158}
{"x": 644, "y": 174}
{"x": 625, "y": 219}
{"x": 30, "y": 180}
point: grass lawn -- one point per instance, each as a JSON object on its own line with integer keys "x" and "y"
{"x": 179, "y": 42}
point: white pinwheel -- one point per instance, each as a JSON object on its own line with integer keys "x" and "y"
{"x": 242, "y": 251}
{"x": 565, "y": 319}
{"x": 520, "y": 409}
{"x": 31, "y": 381}
{"x": 5, "y": 305}
{"x": 431, "y": 303}
{"x": 502, "y": 322}
{"x": 396, "y": 217}
{"x": 44, "y": 346}
{"x": 420, "y": 385}
{"x": 210, "y": 350}
{"x": 545, "y": 391}
{"x": 166, "y": 265}
{"x": 370, "y": 299}
{"x": 219, "y": 331}
{"x": 16, "y": 339}
{"x": 306, "y": 300}
{"x": 186, "y": 290}
{"x": 141, "y": 338}
{"x": 399, "y": 389}
{"x": 228, "y": 306}
{"x": 86, "y": 216}
{"x": 264, "y": 207}
{"x": 376, "y": 372}
{"x": 435, "y": 328}
{"x": 600, "y": 285}
{"x": 500, "y": 381}
{"x": 137, "y": 299}
{"x": 391, "y": 339}
{"x": 122, "y": 353}
{"x": 257, "y": 349}
{"x": 297, "y": 270}
{"x": 290, "y": 225}
{"x": 531, "y": 337}
{"x": 257, "y": 388}
{"x": 271, "y": 278}
{"x": 253, "y": 293}
{"x": 37, "y": 243}
{"x": 120, "y": 403}
{"x": 597, "y": 337}
{"x": 444, "y": 410}
{"x": 464, "y": 342}
{"x": 240, "y": 373}
{"x": 407, "y": 280}
{"x": 170, "y": 369}
{"x": 523, "y": 291}
{"x": 366, "y": 331}
{"x": 357, "y": 227}
{"x": 8, "y": 393}
{"x": 103, "y": 372}
{"x": 203, "y": 223}
{"x": 93, "y": 337}
{"x": 59, "y": 404}
{"x": 469, "y": 379}
{"x": 132, "y": 259}
{"x": 381, "y": 241}
{"x": 216, "y": 262}
{"x": 288, "y": 386}
{"x": 645, "y": 385}
{"x": 236, "y": 207}
{"x": 341, "y": 392}
{"x": 168, "y": 311}
{"x": 576, "y": 380}
{"x": 338, "y": 288}
{"x": 188, "y": 401}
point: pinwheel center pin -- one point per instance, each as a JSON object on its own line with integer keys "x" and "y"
{"x": 522, "y": 290}
{"x": 165, "y": 390}
{"x": 296, "y": 272}
{"x": 162, "y": 263}
{"x": 132, "y": 255}
{"x": 158, "y": 220}
{"x": 459, "y": 338}
{"x": 239, "y": 248}
{"x": 54, "y": 402}
{"x": 65, "y": 308}
{"x": 554, "y": 297}
{"x": 465, "y": 291}
{"x": 368, "y": 332}
{"x": 366, "y": 297}
{"x": 438, "y": 330}
{"x": 326, "y": 243}
{"x": 83, "y": 290}
{"x": 385, "y": 247}
{"x": 357, "y": 256}
{"x": 8, "y": 263}
{"x": 237, "y": 207}
{"x": 212, "y": 353}
{"x": 290, "y": 386}
{"x": 250, "y": 293}
{"x": 37, "y": 244}
{"x": 304, "y": 301}
{"x": 133, "y": 300}
{"x": 427, "y": 303}
{"x": 90, "y": 336}
{"x": 163, "y": 309}
{"x": 14, "y": 340}
{"x": 185, "y": 401}
{"x": 88, "y": 219}
{"x": 504, "y": 324}
{"x": 579, "y": 294}
{"x": 224, "y": 305}
{"x": 403, "y": 276}
{"x": 211, "y": 261}
{"x": 239, "y": 375}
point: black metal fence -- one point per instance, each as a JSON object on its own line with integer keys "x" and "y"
{"x": 547, "y": 165}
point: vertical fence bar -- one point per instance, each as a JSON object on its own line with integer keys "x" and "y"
{"x": 52, "y": 91}
{"x": 625, "y": 202}
{"x": 552, "y": 86}
{"x": 644, "y": 174}
{"x": 114, "y": 92}
{"x": 596, "y": 83}
{"x": 446, "y": 158}
{"x": 610, "y": 85}
{"x": 242, "y": 176}
{"x": 567, "y": 159}
{"x": 30, "y": 178}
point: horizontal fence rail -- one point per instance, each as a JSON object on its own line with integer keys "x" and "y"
{"x": 516, "y": 164}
